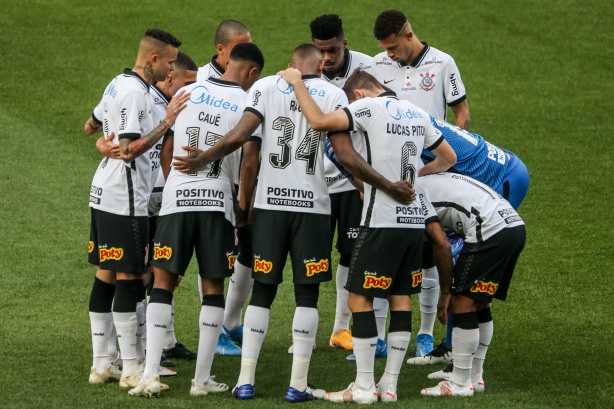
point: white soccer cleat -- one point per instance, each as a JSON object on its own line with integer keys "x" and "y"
{"x": 133, "y": 380}
{"x": 208, "y": 387}
{"x": 353, "y": 395}
{"x": 387, "y": 393}
{"x": 448, "y": 388}
{"x": 445, "y": 373}
{"x": 478, "y": 383}
{"x": 112, "y": 374}
{"x": 440, "y": 355}
{"x": 149, "y": 389}
{"x": 165, "y": 372}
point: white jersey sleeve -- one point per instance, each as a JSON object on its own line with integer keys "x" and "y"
{"x": 454, "y": 89}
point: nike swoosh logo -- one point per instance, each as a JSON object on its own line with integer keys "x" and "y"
{"x": 386, "y": 82}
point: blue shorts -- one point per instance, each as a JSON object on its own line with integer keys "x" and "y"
{"x": 515, "y": 183}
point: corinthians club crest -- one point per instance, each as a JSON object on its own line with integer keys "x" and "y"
{"x": 427, "y": 82}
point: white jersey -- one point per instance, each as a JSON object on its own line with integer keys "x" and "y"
{"x": 212, "y": 69}
{"x": 335, "y": 180}
{"x": 159, "y": 103}
{"x": 469, "y": 207}
{"x": 395, "y": 132}
{"x": 214, "y": 108}
{"x": 291, "y": 176}
{"x": 118, "y": 187}
{"x": 431, "y": 81}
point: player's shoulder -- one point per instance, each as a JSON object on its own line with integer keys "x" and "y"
{"x": 382, "y": 60}
{"x": 435, "y": 54}
{"x": 361, "y": 60}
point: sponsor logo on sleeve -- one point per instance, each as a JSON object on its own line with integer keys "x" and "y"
{"x": 262, "y": 266}
{"x": 256, "y": 98}
{"x": 113, "y": 253}
{"x": 314, "y": 267}
{"x": 163, "y": 252}
{"x": 454, "y": 85}
{"x": 372, "y": 281}
{"x": 483, "y": 287}
{"x": 416, "y": 278}
{"x": 363, "y": 112}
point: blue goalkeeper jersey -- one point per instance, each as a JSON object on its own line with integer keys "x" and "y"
{"x": 476, "y": 157}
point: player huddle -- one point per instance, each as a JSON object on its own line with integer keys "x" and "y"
{"x": 338, "y": 141}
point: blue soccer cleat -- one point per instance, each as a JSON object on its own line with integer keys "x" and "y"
{"x": 311, "y": 393}
{"x": 225, "y": 346}
{"x": 243, "y": 392}
{"x": 381, "y": 351}
{"x": 235, "y": 334}
{"x": 424, "y": 344}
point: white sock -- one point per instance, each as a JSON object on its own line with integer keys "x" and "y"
{"x": 255, "y": 326}
{"x": 210, "y": 322}
{"x": 113, "y": 352}
{"x": 100, "y": 323}
{"x": 304, "y": 329}
{"x": 141, "y": 330}
{"x": 486, "y": 331}
{"x": 158, "y": 317}
{"x": 170, "y": 340}
{"x": 239, "y": 289}
{"x": 397, "y": 348}
{"x": 428, "y": 300}
{"x": 364, "y": 350}
{"x": 380, "y": 308}
{"x": 342, "y": 311}
{"x": 126, "y": 325}
{"x": 465, "y": 342}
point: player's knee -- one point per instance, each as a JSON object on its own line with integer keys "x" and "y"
{"x": 306, "y": 295}
{"x": 214, "y": 300}
{"x": 429, "y": 283}
{"x": 263, "y": 295}
{"x": 161, "y": 296}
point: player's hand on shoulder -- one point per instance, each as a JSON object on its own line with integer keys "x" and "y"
{"x": 403, "y": 192}
{"x": 177, "y": 104}
{"x": 107, "y": 148}
{"x": 192, "y": 162}
{"x": 291, "y": 75}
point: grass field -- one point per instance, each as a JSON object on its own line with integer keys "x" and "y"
{"x": 538, "y": 79}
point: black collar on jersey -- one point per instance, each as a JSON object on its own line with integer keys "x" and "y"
{"x": 419, "y": 58}
{"x": 391, "y": 94}
{"x": 128, "y": 71}
{"x": 216, "y": 66}
{"x": 162, "y": 94}
{"x": 223, "y": 82}
{"x": 347, "y": 59}
{"x": 309, "y": 77}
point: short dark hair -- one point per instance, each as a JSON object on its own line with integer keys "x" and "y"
{"x": 163, "y": 36}
{"x": 185, "y": 62}
{"x": 326, "y": 26}
{"x": 226, "y": 29}
{"x": 360, "y": 79}
{"x": 389, "y": 22}
{"x": 305, "y": 50}
{"x": 248, "y": 52}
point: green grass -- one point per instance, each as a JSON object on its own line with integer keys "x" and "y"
{"x": 538, "y": 78}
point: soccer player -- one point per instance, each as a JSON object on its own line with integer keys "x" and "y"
{"x": 228, "y": 34}
{"x": 291, "y": 200}
{"x": 197, "y": 216}
{"x": 494, "y": 237}
{"x": 387, "y": 256}
{"x": 430, "y": 79}
{"x": 118, "y": 200}
{"x": 346, "y": 204}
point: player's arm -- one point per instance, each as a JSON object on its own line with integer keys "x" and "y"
{"x": 166, "y": 153}
{"x": 445, "y": 158}
{"x": 443, "y": 260}
{"x": 461, "y": 114}
{"x": 400, "y": 191}
{"x": 130, "y": 149}
{"x": 107, "y": 148}
{"x": 196, "y": 159}
{"x": 333, "y": 121}
{"x": 248, "y": 176}
{"x": 92, "y": 126}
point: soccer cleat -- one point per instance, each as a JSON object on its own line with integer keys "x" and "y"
{"x": 448, "y": 388}
{"x": 148, "y": 389}
{"x": 166, "y": 363}
{"x": 243, "y": 392}
{"x": 445, "y": 373}
{"x": 208, "y": 387}
{"x": 111, "y": 374}
{"x": 164, "y": 372}
{"x": 225, "y": 346}
{"x": 179, "y": 351}
{"x": 353, "y": 395}
{"x": 387, "y": 393}
{"x": 310, "y": 393}
{"x": 133, "y": 381}
{"x": 478, "y": 383}
{"x": 291, "y": 349}
{"x": 342, "y": 339}
{"x": 381, "y": 351}
{"x": 424, "y": 344}
{"x": 235, "y": 334}
{"x": 440, "y": 355}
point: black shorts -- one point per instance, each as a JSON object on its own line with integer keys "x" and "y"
{"x": 244, "y": 234}
{"x": 484, "y": 270}
{"x": 153, "y": 220}
{"x": 304, "y": 235}
{"x": 346, "y": 209}
{"x": 386, "y": 261}
{"x": 208, "y": 234}
{"x": 118, "y": 243}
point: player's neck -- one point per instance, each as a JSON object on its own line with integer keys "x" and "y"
{"x": 145, "y": 72}
{"x": 417, "y": 48}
